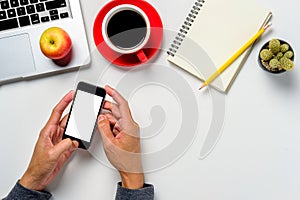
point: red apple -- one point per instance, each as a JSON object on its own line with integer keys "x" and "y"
{"x": 55, "y": 43}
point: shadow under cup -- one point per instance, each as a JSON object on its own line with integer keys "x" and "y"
{"x": 127, "y": 31}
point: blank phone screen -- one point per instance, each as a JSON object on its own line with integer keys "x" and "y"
{"x": 83, "y": 116}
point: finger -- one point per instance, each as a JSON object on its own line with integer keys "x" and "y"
{"x": 65, "y": 156}
{"x": 62, "y": 126}
{"x": 115, "y": 95}
{"x": 116, "y": 130}
{"x": 59, "y": 108}
{"x": 76, "y": 144}
{"x": 107, "y": 105}
{"x": 112, "y": 107}
{"x": 119, "y": 99}
{"x": 104, "y": 128}
{"x": 62, "y": 147}
{"x": 63, "y": 122}
{"x": 112, "y": 120}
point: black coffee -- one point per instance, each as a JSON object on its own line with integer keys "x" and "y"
{"x": 126, "y": 29}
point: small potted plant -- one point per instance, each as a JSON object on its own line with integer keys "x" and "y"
{"x": 276, "y": 56}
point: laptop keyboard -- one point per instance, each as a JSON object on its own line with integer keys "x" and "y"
{"x": 21, "y": 13}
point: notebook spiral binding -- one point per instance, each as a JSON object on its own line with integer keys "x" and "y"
{"x": 185, "y": 27}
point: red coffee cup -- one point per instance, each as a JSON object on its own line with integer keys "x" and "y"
{"x": 126, "y": 30}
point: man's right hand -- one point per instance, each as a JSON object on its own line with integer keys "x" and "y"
{"x": 121, "y": 140}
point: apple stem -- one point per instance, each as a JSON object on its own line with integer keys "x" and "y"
{"x": 51, "y": 41}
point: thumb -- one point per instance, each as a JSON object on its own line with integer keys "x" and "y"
{"x": 63, "y": 146}
{"x": 104, "y": 128}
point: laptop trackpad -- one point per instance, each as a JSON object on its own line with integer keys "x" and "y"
{"x": 16, "y": 57}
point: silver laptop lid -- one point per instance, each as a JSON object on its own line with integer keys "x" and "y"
{"x": 61, "y": 13}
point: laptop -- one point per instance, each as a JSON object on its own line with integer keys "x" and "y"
{"x": 21, "y": 24}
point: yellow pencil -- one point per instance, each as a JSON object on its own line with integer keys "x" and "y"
{"x": 235, "y": 56}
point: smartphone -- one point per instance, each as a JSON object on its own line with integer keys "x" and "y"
{"x": 85, "y": 109}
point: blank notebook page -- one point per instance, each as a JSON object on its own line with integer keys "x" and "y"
{"x": 220, "y": 29}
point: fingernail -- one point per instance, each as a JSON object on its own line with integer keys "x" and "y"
{"x": 101, "y": 118}
{"x": 75, "y": 144}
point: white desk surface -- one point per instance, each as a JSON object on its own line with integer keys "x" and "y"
{"x": 256, "y": 157}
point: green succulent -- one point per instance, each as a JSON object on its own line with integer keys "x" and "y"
{"x": 274, "y": 63}
{"x": 277, "y": 56}
{"x": 266, "y": 54}
{"x": 288, "y": 54}
{"x": 284, "y": 48}
{"x": 274, "y": 46}
{"x": 286, "y": 63}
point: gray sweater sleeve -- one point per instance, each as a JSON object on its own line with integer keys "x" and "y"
{"x": 19, "y": 192}
{"x": 145, "y": 193}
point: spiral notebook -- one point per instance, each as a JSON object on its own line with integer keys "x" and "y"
{"x": 212, "y": 32}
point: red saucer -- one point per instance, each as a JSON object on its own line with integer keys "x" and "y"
{"x": 128, "y": 60}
